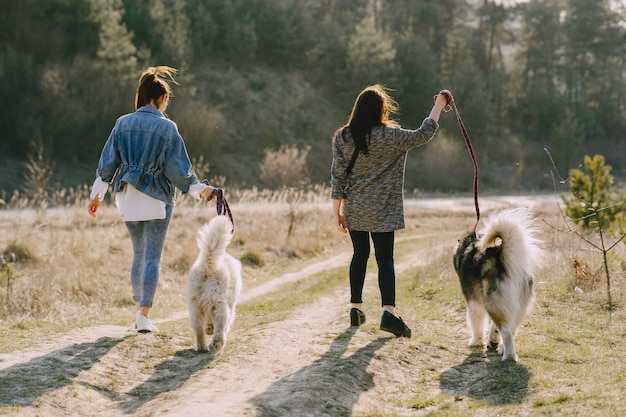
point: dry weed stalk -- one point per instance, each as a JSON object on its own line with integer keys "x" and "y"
{"x": 6, "y": 270}
{"x": 37, "y": 175}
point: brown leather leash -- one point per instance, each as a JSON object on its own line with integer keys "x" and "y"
{"x": 448, "y": 109}
{"x": 221, "y": 204}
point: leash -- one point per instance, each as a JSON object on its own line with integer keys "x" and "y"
{"x": 448, "y": 109}
{"x": 221, "y": 204}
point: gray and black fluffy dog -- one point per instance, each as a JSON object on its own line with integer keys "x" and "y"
{"x": 496, "y": 267}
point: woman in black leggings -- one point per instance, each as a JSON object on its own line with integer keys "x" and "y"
{"x": 367, "y": 180}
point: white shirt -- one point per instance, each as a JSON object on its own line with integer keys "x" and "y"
{"x": 137, "y": 206}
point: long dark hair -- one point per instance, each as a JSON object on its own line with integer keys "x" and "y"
{"x": 372, "y": 107}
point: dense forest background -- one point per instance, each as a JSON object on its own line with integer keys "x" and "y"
{"x": 256, "y": 75}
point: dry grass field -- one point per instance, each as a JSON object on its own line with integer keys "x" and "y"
{"x": 67, "y": 347}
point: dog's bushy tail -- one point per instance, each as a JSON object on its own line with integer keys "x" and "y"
{"x": 214, "y": 237}
{"x": 521, "y": 249}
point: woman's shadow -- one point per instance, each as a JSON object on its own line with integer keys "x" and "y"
{"x": 487, "y": 378}
{"x": 168, "y": 376}
{"x": 23, "y": 384}
{"x": 330, "y": 386}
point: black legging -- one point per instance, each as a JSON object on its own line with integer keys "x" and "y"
{"x": 383, "y": 249}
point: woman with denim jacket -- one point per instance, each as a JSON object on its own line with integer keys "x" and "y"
{"x": 145, "y": 160}
{"x": 367, "y": 181}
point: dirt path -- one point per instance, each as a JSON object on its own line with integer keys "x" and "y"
{"x": 311, "y": 363}
{"x": 290, "y": 365}
{"x": 293, "y": 369}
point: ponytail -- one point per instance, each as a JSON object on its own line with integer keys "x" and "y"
{"x": 152, "y": 87}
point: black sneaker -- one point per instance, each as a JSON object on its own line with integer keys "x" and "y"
{"x": 357, "y": 317}
{"x": 395, "y": 325}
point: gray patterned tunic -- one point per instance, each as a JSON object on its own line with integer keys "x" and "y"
{"x": 373, "y": 192}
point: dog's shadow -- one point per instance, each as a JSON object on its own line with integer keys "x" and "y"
{"x": 487, "y": 378}
{"x": 23, "y": 384}
{"x": 331, "y": 385}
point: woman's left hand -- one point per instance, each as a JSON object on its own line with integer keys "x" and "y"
{"x": 341, "y": 225}
{"x": 444, "y": 98}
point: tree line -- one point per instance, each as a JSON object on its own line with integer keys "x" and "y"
{"x": 259, "y": 74}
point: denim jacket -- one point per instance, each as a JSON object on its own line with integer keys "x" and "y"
{"x": 145, "y": 149}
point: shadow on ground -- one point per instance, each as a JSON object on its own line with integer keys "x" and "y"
{"x": 23, "y": 384}
{"x": 168, "y": 376}
{"x": 487, "y": 379}
{"x": 330, "y": 386}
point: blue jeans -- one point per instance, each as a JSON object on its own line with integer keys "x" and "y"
{"x": 383, "y": 249}
{"x": 148, "y": 238}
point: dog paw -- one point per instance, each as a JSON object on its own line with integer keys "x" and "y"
{"x": 209, "y": 329}
{"x": 202, "y": 348}
{"x": 512, "y": 358}
{"x": 493, "y": 346}
{"x": 217, "y": 345}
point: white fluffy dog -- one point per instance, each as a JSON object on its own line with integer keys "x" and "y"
{"x": 496, "y": 273}
{"x": 213, "y": 285}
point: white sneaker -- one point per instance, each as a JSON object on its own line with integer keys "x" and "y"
{"x": 144, "y": 325}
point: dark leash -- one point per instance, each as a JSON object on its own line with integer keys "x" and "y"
{"x": 448, "y": 109}
{"x": 221, "y": 205}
